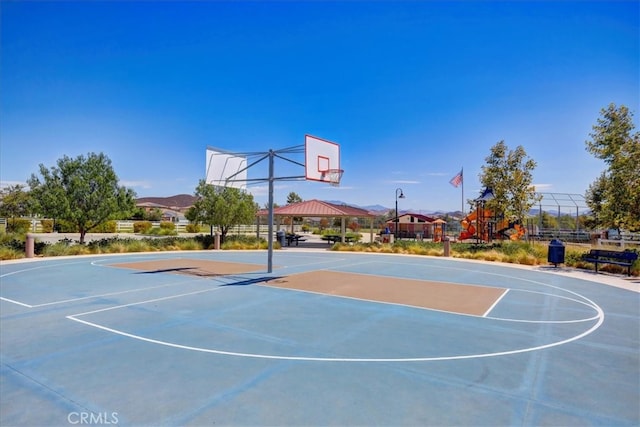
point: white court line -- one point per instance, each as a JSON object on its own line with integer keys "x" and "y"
{"x": 495, "y": 303}
{"x": 115, "y": 293}
{"x": 340, "y": 359}
{"x": 94, "y": 263}
{"x": 331, "y": 261}
{"x": 457, "y": 313}
{"x": 144, "y": 302}
{"x": 577, "y": 301}
{"x": 600, "y": 317}
{"x": 30, "y": 269}
{"x": 16, "y": 302}
{"x": 41, "y": 267}
{"x": 485, "y": 315}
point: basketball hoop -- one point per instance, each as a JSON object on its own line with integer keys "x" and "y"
{"x": 332, "y": 176}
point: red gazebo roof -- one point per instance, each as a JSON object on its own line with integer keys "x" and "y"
{"x": 318, "y": 208}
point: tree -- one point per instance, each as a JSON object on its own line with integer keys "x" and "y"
{"x": 614, "y": 197}
{"x": 154, "y": 214}
{"x": 548, "y": 221}
{"x": 83, "y": 191}
{"x": 391, "y": 214}
{"x": 15, "y": 202}
{"x": 222, "y": 207}
{"x": 595, "y": 197}
{"x": 291, "y": 199}
{"x": 509, "y": 174}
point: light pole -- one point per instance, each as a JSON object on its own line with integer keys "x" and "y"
{"x": 398, "y": 196}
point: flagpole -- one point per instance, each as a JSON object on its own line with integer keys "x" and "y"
{"x": 462, "y": 173}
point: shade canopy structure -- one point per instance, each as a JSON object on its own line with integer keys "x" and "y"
{"x": 319, "y": 209}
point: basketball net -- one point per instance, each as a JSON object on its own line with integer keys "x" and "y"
{"x": 333, "y": 176}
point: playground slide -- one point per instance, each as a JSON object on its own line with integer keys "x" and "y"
{"x": 505, "y": 228}
{"x": 468, "y": 233}
{"x": 510, "y": 229}
{"x": 468, "y": 227}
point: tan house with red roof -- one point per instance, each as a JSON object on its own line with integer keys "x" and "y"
{"x": 412, "y": 225}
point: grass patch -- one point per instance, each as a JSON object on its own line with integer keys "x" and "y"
{"x": 524, "y": 253}
{"x": 12, "y": 246}
{"x": 10, "y": 253}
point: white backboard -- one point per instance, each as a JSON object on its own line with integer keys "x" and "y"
{"x": 320, "y": 156}
{"x": 225, "y": 169}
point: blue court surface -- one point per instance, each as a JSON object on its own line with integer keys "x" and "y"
{"x": 86, "y": 342}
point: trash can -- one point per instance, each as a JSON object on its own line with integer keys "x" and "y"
{"x": 281, "y": 237}
{"x": 556, "y": 252}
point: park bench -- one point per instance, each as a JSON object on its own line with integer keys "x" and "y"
{"x": 601, "y": 256}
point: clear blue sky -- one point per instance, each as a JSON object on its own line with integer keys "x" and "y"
{"x": 412, "y": 91}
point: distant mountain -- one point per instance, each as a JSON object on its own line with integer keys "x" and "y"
{"x": 183, "y": 201}
{"x": 370, "y": 208}
{"x": 179, "y": 201}
{"x": 382, "y": 210}
{"x": 375, "y": 208}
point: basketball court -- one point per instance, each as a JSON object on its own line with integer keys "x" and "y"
{"x": 312, "y": 337}
{"x": 327, "y": 338}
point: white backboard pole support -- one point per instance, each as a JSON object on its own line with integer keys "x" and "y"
{"x": 270, "y": 216}
{"x": 322, "y": 163}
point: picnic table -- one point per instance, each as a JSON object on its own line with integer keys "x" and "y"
{"x": 294, "y": 238}
{"x": 337, "y": 238}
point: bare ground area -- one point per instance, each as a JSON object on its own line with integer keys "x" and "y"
{"x": 465, "y": 299}
{"x": 192, "y": 267}
{"x": 456, "y": 298}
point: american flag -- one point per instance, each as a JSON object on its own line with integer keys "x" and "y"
{"x": 456, "y": 180}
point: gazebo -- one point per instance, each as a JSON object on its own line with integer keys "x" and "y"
{"x": 319, "y": 209}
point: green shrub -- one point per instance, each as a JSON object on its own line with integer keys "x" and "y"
{"x": 187, "y": 245}
{"x": 117, "y": 247}
{"x": 192, "y": 228}
{"x": 167, "y": 225}
{"x": 57, "y": 249}
{"x": 10, "y": 253}
{"x": 205, "y": 241}
{"x": 47, "y": 225}
{"x": 106, "y": 227}
{"x": 135, "y": 245}
{"x": 15, "y": 242}
{"x": 162, "y": 232}
{"x": 12, "y": 240}
{"x": 103, "y": 245}
{"x": 142, "y": 226}
{"x": 64, "y": 226}
{"x": 243, "y": 242}
{"x": 18, "y": 225}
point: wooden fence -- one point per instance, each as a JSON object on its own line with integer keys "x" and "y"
{"x": 127, "y": 227}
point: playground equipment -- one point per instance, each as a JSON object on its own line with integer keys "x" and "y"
{"x": 439, "y": 229}
{"x": 510, "y": 229}
{"x": 473, "y": 225}
{"x": 480, "y": 224}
